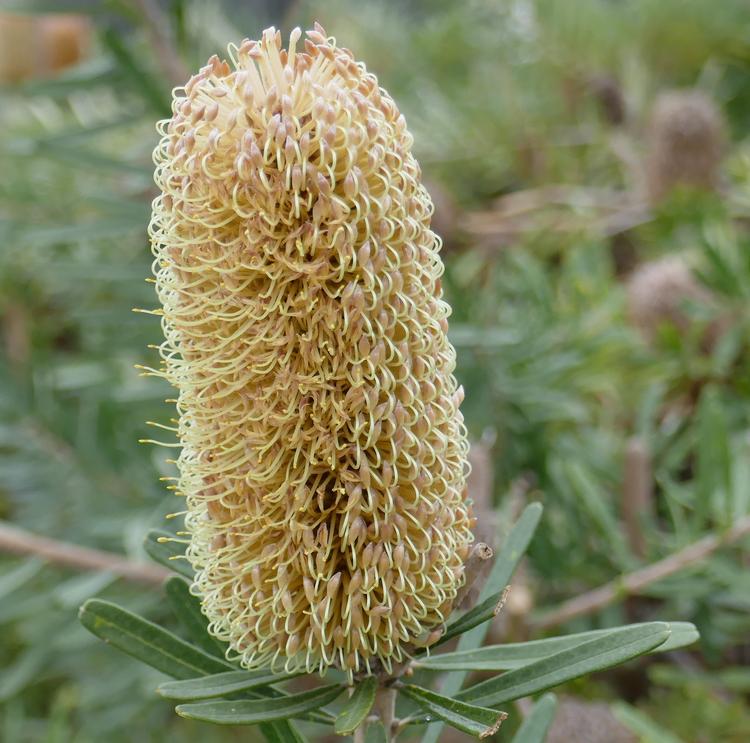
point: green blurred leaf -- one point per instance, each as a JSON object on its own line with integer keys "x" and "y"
{"x": 81, "y": 157}
{"x": 72, "y": 592}
{"x": 24, "y": 670}
{"x": 357, "y": 706}
{"x": 282, "y": 731}
{"x": 740, "y": 480}
{"x": 468, "y": 718}
{"x": 266, "y": 710}
{"x": 642, "y": 725}
{"x": 83, "y": 78}
{"x": 375, "y": 733}
{"x": 603, "y": 652}
{"x": 187, "y": 608}
{"x": 152, "y": 90}
{"x": 534, "y": 728}
{"x": 713, "y": 463}
{"x": 19, "y": 575}
{"x": 162, "y": 548}
{"x": 220, "y": 684}
{"x": 100, "y": 229}
{"x": 598, "y": 508}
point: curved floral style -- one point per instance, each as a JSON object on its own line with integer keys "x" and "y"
{"x": 324, "y": 457}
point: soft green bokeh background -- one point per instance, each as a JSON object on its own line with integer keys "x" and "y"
{"x": 502, "y": 96}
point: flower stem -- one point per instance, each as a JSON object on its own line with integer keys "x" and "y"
{"x": 385, "y": 708}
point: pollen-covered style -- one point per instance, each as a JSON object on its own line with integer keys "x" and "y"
{"x": 323, "y": 451}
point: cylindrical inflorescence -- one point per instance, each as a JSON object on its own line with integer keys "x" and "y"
{"x": 686, "y": 143}
{"x": 324, "y": 457}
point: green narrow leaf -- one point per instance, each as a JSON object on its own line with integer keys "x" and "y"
{"x": 23, "y": 671}
{"x": 81, "y": 157}
{"x": 20, "y": 575}
{"x": 281, "y": 731}
{"x": 472, "y": 626}
{"x": 586, "y": 492}
{"x": 158, "y": 648}
{"x": 603, "y": 652}
{"x": 101, "y": 73}
{"x": 98, "y": 229}
{"x": 713, "y": 459}
{"x": 642, "y": 725}
{"x": 254, "y": 711}
{"x": 187, "y": 608}
{"x": 375, "y": 733}
{"x": 534, "y": 728}
{"x": 220, "y": 684}
{"x": 740, "y": 479}
{"x": 152, "y": 90}
{"x": 510, "y": 656}
{"x": 146, "y": 641}
{"x": 681, "y": 634}
{"x": 357, "y": 706}
{"x": 468, "y": 718}
{"x": 162, "y": 549}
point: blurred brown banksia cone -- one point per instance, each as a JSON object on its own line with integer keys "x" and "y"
{"x": 36, "y": 46}
{"x": 686, "y": 143}
{"x": 658, "y": 294}
{"x": 324, "y": 457}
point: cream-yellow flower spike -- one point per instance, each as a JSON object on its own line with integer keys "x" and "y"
{"x": 324, "y": 457}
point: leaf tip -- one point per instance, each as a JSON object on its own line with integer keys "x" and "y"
{"x": 501, "y": 717}
{"x": 501, "y": 601}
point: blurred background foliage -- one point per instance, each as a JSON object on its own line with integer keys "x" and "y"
{"x": 597, "y": 249}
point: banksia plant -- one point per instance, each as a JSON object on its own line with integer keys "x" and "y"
{"x": 323, "y": 456}
{"x": 686, "y": 143}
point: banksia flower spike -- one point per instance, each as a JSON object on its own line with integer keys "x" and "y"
{"x": 686, "y": 143}
{"x": 657, "y": 294}
{"x": 323, "y": 456}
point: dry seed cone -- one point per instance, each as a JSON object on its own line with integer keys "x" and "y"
{"x": 657, "y": 293}
{"x": 323, "y": 455}
{"x": 686, "y": 143}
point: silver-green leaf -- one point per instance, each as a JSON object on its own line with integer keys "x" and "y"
{"x": 148, "y": 642}
{"x": 510, "y": 656}
{"x": 480, "y": 722}
{"x": 162, "y": 650}
{"x": 219, "y": 684}
{"x": 602, "y": 652}
{"x": 357, "y": 706}
{"x": 254, "y": 711}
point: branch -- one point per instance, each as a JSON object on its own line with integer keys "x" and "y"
{"x": 635, "y": 582}
{"x": 22, "y": 542}
{"x": 385, "y": 708}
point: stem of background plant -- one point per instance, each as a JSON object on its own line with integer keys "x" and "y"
{"x": 631, "y": 583}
